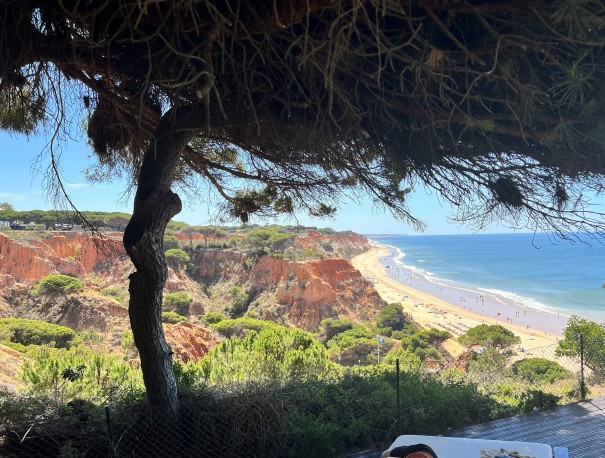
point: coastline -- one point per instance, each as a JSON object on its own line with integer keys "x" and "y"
{"x": 430, "y": 311}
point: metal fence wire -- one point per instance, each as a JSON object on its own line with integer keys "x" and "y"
{"x": 293, "y": 420}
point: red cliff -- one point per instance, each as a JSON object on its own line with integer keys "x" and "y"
{"x": 73, "y": 254}
{"x": 304, "y": 293}
{"x": 189, "y": 342}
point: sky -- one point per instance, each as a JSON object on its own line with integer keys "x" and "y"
{"x": 22, "y": 184}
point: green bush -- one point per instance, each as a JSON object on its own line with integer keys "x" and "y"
{"x": 329, "y": 327}
{"x": 178, "y": 302}
{"x": 177, "y": 258}
{"x": 408, "y": 361}
{"x": 422, "y": 343}
{"x": 274, "y": 354}
{"x": 490, "y": 361}
{"x": 594, "y": 342}
{"x": 357, "y": 345}
{"x": 173, "y": 318}
{"x": 209, "y": 318}
{"x": 240, "y": 300}
{"x": 77, "y": 373}
{"x": 239, "y": 327}
{"x": 58, "y": 283}
{"x": 391, "y": 316}
{"x": 116, "y": 292}
{"x": 128, "y": 345}
{"x": 35, "y": 332}
{"x": 537, "y": 400}
{"x": 489, "y": 335}
{"x": 539, "y": 370}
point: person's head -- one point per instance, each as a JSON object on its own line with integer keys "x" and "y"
{"x": 413, "y": 451}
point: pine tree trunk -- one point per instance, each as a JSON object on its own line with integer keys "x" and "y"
{"x": 154, "y": 205}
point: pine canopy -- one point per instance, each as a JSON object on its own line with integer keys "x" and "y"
{"x": 496, "y": 105}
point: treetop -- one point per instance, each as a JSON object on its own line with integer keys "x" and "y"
{"x": 496, "y": 106}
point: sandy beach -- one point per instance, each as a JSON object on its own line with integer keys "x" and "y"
{"x": 430, "y": 311}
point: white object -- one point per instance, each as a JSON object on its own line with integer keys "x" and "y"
{"x": 457, "y": 447}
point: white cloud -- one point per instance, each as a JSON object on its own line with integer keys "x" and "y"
{"x": 12, "y": 197}
{"x": 77, "y": 185}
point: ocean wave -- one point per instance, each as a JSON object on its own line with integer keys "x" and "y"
{"x": 519, "y": 300}
{"x": 499, "y": 296}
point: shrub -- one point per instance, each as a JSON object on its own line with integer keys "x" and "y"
{"x": 240, "y": 327}
{"x": 391, "y": 316}
{"x": 35, "y": 332}
{"x": 116, "y": 292}
{"x": 408, "y": 361}
{"x": 209, "y": 318}
{"x": 178, "y": 302}
{"x": 489, "y": 335}
{"x": 539, "y": 370}
{"x": 490, "y": 361}
{"x": 274, "y": 354}
{"x": 58, "y": 283}
{"x": 177, "y": 258}
{"x": 240, "y": 300}
{"x": 357, "y": 345}
{"x": 90, "y": 337}
{"x": 172, "y": 318}
{"x": 594, "y": 341}
{"x": 422, "y": 343}
{"x": 127, "y": 343}
{"x": 537, "y": 400}
{"x": 329, "y": 327}
{"x": 77, "y": 373}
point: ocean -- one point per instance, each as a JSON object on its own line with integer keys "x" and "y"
{"x": 511, "y": 272}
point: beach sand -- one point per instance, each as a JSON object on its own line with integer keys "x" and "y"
{"x": 430, "y": 311}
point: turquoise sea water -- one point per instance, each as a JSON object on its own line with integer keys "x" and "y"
{"x": 523, "y": 271}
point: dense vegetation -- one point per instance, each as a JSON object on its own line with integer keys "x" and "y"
{"x": 178, "y": 302}
{"x": 281, "y": 386}
{"x": 58, "y": 284}
{"x": 489, "y": 335}
{"x": 592, "y": 339}
{"x": 35, "y": 332}
{"x": 172, "y": 318}
{"x": 55, "y": 218}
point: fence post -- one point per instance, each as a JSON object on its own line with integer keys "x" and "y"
{"x": 112, "y": 452}
{"x": 398, "y": 398}
{"x": 582, "y": 381}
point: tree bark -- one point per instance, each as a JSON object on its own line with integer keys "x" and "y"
{"x": 154, "y": 205}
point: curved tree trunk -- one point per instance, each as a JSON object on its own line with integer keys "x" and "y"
{"x": 154, "y": 205}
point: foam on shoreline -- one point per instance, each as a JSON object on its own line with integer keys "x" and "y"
{"x": 504, "y": 306}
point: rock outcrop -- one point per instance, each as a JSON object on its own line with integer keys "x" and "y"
{"x": 10, "y": 364}
{"x": 341, "y": 244}
{"x": 304, "y": 293}
{"x": 189, "y": 341}
{"x": 74, "y": 254}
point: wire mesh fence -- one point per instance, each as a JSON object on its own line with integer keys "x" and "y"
{"x": 252, "y": 421}
{"x": 309, "y": 418}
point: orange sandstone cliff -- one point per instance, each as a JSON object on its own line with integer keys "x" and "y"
{"x": 299, "y": 294}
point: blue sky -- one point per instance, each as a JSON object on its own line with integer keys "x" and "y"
{"x": 22, "y": 185}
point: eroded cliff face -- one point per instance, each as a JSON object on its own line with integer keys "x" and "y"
{"x": 302, "y": 294}
{"x": 189, "y": 341}
{"x": 339, "y": 244}
{"x": 298, "y": 294}
{"x": 72, "y": 254}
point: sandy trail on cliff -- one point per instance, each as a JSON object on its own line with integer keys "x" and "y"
{"x": 430, "y": 311}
